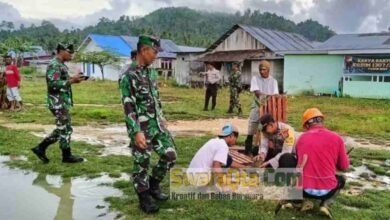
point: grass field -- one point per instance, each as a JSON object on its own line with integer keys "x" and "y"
{"x": 349, "y": 116}
{"x": 355, "y": 117}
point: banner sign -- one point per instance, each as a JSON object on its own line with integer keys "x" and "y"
{"x": 366, "y": 64}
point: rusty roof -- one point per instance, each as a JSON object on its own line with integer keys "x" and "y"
{"x": 231, "y": 56}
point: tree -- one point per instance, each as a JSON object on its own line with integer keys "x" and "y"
{"x": 100, "y": 58}
{"x": 19, "y": 47}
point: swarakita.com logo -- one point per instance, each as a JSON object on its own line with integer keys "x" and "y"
{"x": 229, "y": 183}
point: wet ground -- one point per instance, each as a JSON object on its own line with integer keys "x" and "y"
{"x": 52, "y": 197}
{"x": 29, "y": 195}
{"x": 115, "y": 139}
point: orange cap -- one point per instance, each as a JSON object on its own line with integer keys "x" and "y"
{"x": 311, "y": 113}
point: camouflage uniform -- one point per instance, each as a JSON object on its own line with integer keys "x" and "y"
{"x": 235, "y": 89}
{"x": 143, "y": 113}
{"x": 59, "y": 99}
{"x": 3, "y": 89}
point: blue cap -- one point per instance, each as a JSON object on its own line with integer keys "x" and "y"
{"x": 227, "y": 130}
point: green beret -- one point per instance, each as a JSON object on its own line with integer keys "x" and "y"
{"x": 237, "y": 63}
{"x": 150, "y": 41}
{"x": 64, "y": 46}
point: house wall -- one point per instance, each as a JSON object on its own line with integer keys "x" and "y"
{"x": 367, "y": 89}
{"x": 314, "y": 73}
{"x": 185, "y": 66}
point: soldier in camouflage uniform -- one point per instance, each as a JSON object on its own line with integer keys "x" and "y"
{"x": 3, "y": 91}
{"x": 146, "y": 125}
{"x": 60, "y": 100}
{"x": 235, "y": 88}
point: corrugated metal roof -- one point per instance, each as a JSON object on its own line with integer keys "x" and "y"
{"x": 38, "y": 51}
{"x": 357, "y": 42}
{"x": 187, "y": 49}
{"x": 111, "y": 43}
{"x": 273, "y": 40}
{"x": 231, "y": 56}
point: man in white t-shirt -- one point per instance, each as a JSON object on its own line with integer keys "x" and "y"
{"x": 215, "y": 153}
{"x": 262, "y": 85}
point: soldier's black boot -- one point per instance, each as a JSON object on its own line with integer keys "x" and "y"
{"x": 248, "y": 144}
{"x": 155, "y": 190}
{"x": 67, "y": 157}
{"x": 146, "y": 202}
{"x": 40, "y": 150}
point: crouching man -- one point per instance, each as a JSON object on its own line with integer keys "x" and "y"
{"x": 277, "y": 143}
{"x": 214, "y": 154}
{"x": 321, "y": 153}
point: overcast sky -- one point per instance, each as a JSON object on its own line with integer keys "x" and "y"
{"x": 343, "y": 16}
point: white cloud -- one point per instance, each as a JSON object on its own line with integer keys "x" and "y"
{"x": 341, "y": 15}
{"x": 43, "y": 9}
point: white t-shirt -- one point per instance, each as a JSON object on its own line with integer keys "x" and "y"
{"x": 215, "y": 149}
{"x": 213, "y": 76}
{"x": 268, "y": 86}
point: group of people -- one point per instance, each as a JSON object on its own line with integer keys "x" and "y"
{"x": 213, "y": 79}
{"x": 318, "y": 150}
{"x": 146, "y": 125}
{"x": 10, "y": 82}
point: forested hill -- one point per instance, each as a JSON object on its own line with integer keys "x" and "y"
{"x": 182, "y": 25}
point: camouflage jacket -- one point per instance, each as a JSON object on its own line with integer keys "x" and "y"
{"x": 59, "y": 90}
{"x": 235, "y": 80}
{"x": 141, "y": 101}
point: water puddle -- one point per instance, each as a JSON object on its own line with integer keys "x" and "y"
{"x": 367, "y": 143}
{"x": 29, "y": 195}
{"x": 365, "y": 179}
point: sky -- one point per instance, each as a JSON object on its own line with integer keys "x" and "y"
{"x": 342, "y": 16}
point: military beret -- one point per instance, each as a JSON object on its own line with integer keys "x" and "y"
{"x": 237, "y": 63}
{"x": 64, "y": 46}
{"x": 150, "y": 41}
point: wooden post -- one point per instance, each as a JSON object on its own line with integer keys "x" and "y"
{"x": 284, "y": 104}
{"x": 280, "y": 108}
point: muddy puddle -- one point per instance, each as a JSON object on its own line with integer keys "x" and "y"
{"x": 115, "y": 139}
{"x": 29, "y": 195}
{"x": 363, "y": 178}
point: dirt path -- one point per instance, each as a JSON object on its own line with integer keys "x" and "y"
{"x": 114, "y": 137}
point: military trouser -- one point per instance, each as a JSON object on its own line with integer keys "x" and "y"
{"x": 162, "y": 143}
{"x": 234, "y": 99}
{"x": 63, "y": 130}
{"x": 3, "y": 93}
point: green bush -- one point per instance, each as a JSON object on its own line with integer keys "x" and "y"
{"x": 28, "y": 70}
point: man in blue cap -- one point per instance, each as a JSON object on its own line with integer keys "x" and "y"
{"x": 215, "y": 153}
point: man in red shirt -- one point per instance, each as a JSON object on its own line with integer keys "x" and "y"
{"x": 321, "y": 153}
{"x": 13, "y": 84}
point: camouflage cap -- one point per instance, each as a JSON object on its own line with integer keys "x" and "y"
{"x": 238, "y": 63}
{"x": 150, "y": 41}
{"x": 64, "y": 46}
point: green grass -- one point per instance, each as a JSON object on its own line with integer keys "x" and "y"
{"x": 372, "y": 204}
{"x": 356, "y": 117}
{"x": 349, "y": 116}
